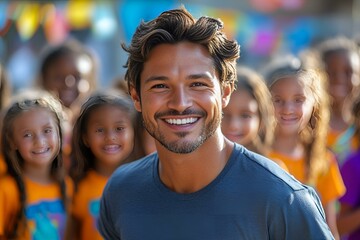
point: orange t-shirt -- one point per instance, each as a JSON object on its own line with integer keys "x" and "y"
{"x": 9, "y": 204}
{"x": 3, "y": 166}
{"x": 45, "y": 212}
{"x": 86, "y": 204}
{"x": 329, "y": 185}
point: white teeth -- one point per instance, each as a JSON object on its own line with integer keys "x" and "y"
{"x": 181, "y": 121}
{"x": 111, "y": 147}
{"x": 288, "y": 119}
{"x": 41, "y": 151}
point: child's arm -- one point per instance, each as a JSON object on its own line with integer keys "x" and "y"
{"x": 330, "y": 213}
{"x": 9, "y": 205}
{"x": 348, "y": 219}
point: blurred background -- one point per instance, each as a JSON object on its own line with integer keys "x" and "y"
{"x": 263, "y": 28}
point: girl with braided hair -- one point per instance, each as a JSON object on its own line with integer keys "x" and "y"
{"x": 34, "y": 192}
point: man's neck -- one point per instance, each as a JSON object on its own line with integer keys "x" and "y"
{"x": 187, "y": 173}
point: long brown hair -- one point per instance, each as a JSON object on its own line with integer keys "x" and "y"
{"x": 83, "y": 159}
{"x": 255, "y": 85}
{"x": 314, "y": 135}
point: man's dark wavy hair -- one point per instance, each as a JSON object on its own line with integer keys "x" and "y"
{"x": 176, "y": 26}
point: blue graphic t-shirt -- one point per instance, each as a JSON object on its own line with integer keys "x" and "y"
{"x": 94, "y": 209}
{"x": 46, "y": 219}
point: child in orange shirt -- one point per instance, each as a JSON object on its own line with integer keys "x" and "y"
{"x": 34, "y": 193}
{"x": 302, "y": 114}
{"x": 69, "y": 72}
{"x": 103, "y": 139}
{"x": 341, "y": 61}
{"x": 249, "y": 119}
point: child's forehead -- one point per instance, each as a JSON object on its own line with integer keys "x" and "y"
{"x": 34, "y": 116}
{"x": 108, "y": 114}
{"x": 346, "y": 57}
{"x": 68, "y": 59}
{"x": 38, "y": 110}
{"x": 289, "y": 83}
{"x": 108, "y": 108}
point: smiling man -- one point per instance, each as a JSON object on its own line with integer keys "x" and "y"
{"x": 198, "y": 185}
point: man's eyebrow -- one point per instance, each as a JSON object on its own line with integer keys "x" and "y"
{"x": 199, "y": 75}
{"x": 190, "y": 77}
{"x": 153, "y": 78}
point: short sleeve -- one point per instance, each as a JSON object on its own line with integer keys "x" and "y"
{"x": 105, "y": 224}
{"x": 9, "y": 204}
{"x": 302, "y": 216}
{"x": 330, "y": 185}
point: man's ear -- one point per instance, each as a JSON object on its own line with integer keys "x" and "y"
{"x": 136, "y": 98}
{"x": 226, "y": 94}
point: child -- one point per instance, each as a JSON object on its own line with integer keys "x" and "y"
{"x": 249, "y": 119}
{"x": 302, "y": 114}
{"x": 34, "y": 193}
{"x": 341, "y": 61}
{"x": 103, "y": 139}
{"x": 349, "y": 215}
{"x": 68, "y": 71}
{"x": 145, "y": 142}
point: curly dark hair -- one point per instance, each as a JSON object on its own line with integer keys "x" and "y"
{"x": 176, "y": 26}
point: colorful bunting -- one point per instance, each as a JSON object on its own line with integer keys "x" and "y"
{"x": 3, "y": 14}
{"x": 266, "y": 6}
{"x": 228, "y": 17}
{"x": 28, "y": 21}
{"x": 56, "y": 28}
{"x": 78, "y": 13}
{"x": 256, "y": 32}
{"x": 104, "y": 23}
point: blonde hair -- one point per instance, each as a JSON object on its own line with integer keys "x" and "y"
{"x": 27, "y": 101}
{"x": 314, "y": 135}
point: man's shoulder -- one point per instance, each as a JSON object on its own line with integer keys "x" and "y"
{"x": 265, "y": 168}
{"x": 135, "y": 170}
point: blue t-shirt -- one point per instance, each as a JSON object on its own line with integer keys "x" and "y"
{"x": 252, "y": 198}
